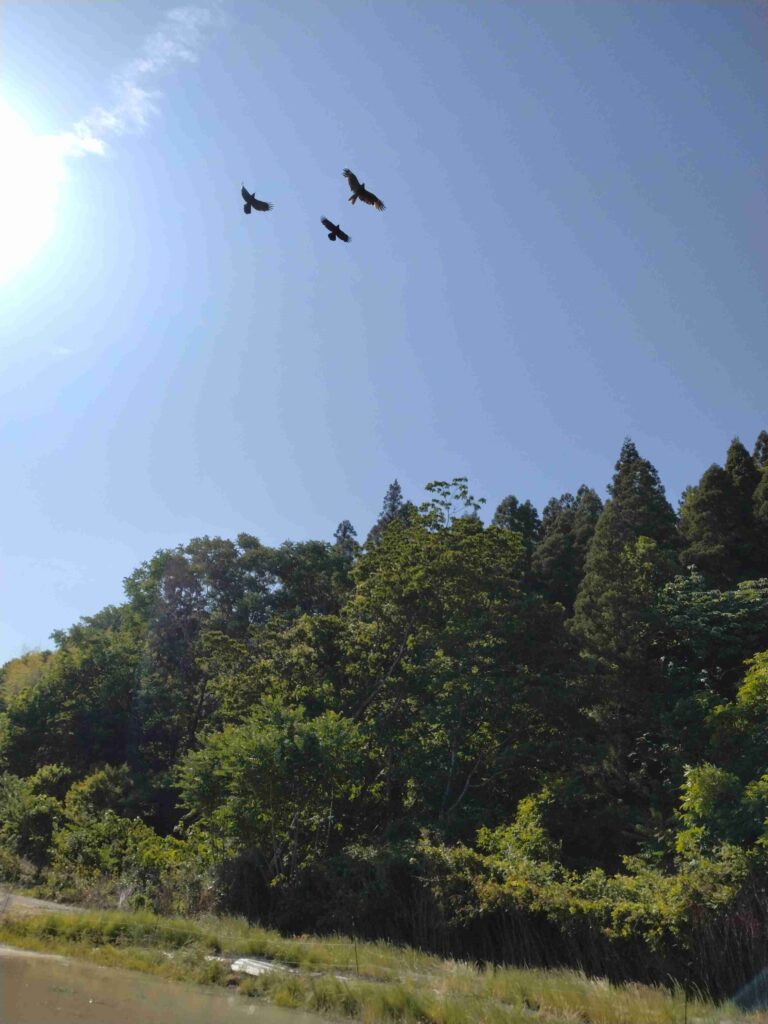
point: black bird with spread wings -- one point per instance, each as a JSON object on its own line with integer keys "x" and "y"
{"x": 361, "y": 192}
{"x": 334, "y": 231}
{"x": 251, "y": 202}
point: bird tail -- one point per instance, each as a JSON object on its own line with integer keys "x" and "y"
{"x": 352, "y": 199}
{"x": 247, "y": 208}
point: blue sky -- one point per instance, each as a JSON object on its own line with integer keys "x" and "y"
{"x": 574, "y": 250}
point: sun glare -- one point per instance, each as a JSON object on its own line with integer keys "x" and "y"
{"x": 31, "y": 169}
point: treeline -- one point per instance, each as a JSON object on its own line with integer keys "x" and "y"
{"x": 542, "y": 740}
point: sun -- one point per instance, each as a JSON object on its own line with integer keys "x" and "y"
{"x": 31, "y": 169}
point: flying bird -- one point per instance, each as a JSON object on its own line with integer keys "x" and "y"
{"x": 334, "y": 231}
{"x": 361, "y": 192}
{"x": 251, "y": 202}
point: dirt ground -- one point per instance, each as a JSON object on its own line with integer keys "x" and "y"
{"x": 25, "y": 906}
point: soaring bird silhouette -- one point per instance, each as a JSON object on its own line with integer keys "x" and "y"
{"x": 334, "y": 231}
{"x": 361, "y": 192}
{"x": 251, "y": 202}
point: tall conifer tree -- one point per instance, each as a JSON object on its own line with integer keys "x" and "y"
{"x": 760, "y": 518}
{"x": 760, "y": 503}
{"x": 760, "y": 451}
{"x": 393, "y": 508}
{"x": 520, "y": 517}
{"x": 717, "y": 521}
{"x": 630, "y": 557}
{"x": 567, "y": 527}
{"x": 709, "y": 525}
{"x": 345, "y": 540}
{"x": 637, "y": 508}
{"x": 744, "y": 474}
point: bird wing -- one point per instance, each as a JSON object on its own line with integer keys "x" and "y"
{"x": 371, "y": 199}
{"x": 354, "y": 184}
{"x": 342, "y": 235}
{"x": 259, "y": 204}
{"x": 326, "y": 223}
{"x": 245, "y": 194}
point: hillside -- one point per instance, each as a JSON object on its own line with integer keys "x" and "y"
{"x": 540, "y": 740}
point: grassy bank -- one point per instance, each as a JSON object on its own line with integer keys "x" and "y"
{"x": 375, "y": 983}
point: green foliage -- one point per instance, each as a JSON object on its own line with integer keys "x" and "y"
{"x": 23, "y": 673}
{"x": 721, "y": 520}
{"x": 449, "y": 501}
{"x": 707, "y": 635}
{"x": 719, "y": 531}
{"x": 102, "y": 844}
{"x": 345, "y": 540}
{"x": 567, "y": 527}
{"x": 760, "y": 514}
{"x": 312, "y": 576}
{"x": 29, "y": 817}
{"x": 271, "y": 786}
{"x": 744, "y": 474}
{"x": 709, "y": 808}
{"x": 617, "y": 571}
{"x": 79, "y": 712}
{"x": 451, "y": 667}
{"x": 709, "y": 521}
{"x": 394, "y": 509}
{"x": 414, "y": 740}
{"x": 521, "y": 517}
{"x": 760, "y": 451}
{"x": 103, "y": 790}
{"x": 526, "y": 838}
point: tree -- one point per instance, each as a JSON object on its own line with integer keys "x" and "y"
{"x": 295, "y": 661}
{"x": 450, "y": 500}
{"x": 760, "y": 451}
{"x": 740, "y": 726}
{"x": 710, "y": 526}
{"x": 521, "y": 517}
{"x": 345, "y": 540}
{"x": 259, "y": 581}
{"x": 275, "y": 789}
{"x": 761, "y": 525}
{"x": 744, "y": 474}
{"x": 637, "y": 508}
{"x": 393, "y": 509}
{"x": 178, "y": 595}
{"x": 630, "y": 557}
{"x": 710, "y": 809}
{"x": 707, "y": 634}
{"x": 717, "y": 521}
{"x": 760, "y": 505}
{"x": 82, "y": 711}
{"x": 451, "y": 669}
{"x": 567, "y": 526}
{"x": 106, "y": 789}
{"x": 30, "y": 812}
{"x": 393, "y": 502}
{"x": 23, "y": 673}
{"x": 311, "y": 577}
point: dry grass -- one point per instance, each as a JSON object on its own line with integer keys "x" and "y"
{"x": 374, "y": 983}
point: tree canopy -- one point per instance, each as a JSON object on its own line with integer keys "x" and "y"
{"x": 453, "y": 710}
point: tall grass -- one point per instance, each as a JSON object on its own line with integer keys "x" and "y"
{"x": 395, "y": 985}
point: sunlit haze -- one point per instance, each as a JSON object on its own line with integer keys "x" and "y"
{"x": 30, "y": 172}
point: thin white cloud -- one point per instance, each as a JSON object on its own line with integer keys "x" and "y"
{"x": 33, "y": 166}
{"x": 178, "y": 39}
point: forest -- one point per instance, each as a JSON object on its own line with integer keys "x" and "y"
{"x": 538, "y": 739}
